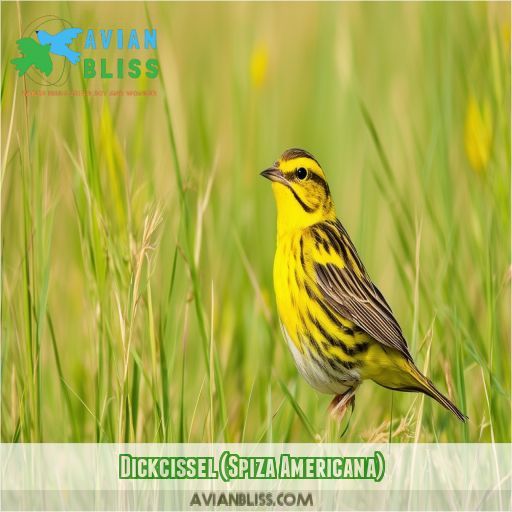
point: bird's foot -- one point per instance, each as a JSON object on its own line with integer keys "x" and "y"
{"x": 340, "y": 404}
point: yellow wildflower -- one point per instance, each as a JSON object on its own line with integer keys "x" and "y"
{"x": 505, "y": 31}
{"x": 478, "y": 133}
{"x": 259, "y": 65}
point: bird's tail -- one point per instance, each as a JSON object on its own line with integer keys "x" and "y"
{"x": 425, "y": 385}
{"x": 22, "y": 64}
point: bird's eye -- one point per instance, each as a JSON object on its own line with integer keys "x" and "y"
{"x": 301, "y": 173}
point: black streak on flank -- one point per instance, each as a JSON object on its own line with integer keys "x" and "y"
{"x": 297, "y": 281}
{"x": 361, "y": 347}
{"x": 332, "y": 341}
{"x": 309, "y": 291}
{"x": 307, "y": 334}
{"x": 301, "y": 243}
{"x": 328, "y": 312}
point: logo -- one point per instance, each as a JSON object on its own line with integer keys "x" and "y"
{"x": 46, "y": 53}
{"x": 49, "y": 49}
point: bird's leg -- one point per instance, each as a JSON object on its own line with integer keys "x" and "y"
{"x": 340, "y": 403}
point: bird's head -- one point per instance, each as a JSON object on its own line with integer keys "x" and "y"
{"x": 43, "y": 36}
{"x": 300, "y": 189}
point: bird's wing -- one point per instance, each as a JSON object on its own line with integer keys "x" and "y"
{"x": 350, "y": 292}
{"x": 67, "y": 35}
{"x": 28, "y": 46}
{"x": 44, "y": 63}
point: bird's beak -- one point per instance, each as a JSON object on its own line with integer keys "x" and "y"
{"x": 273, "y": 174}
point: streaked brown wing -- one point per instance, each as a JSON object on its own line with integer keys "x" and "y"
{"x": 359, "y": 300}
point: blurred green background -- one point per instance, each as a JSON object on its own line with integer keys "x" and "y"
{"x": 138, "y": 237}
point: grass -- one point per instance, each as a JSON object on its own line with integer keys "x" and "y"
{"x": 138, "y": 238}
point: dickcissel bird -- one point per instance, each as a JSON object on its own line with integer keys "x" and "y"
{"x": 338, "y": 325}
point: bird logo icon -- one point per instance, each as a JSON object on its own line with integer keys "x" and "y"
{"x": 33, "y": 54}
{"x": 37, "y": 53}
{"x": 59, "y": 42}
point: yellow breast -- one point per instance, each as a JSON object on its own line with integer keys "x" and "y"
{"x": 288, "y": 291}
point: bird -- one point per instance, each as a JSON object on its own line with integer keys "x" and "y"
{"x": 33, "y": 54}
{"x": 59, "y": 42}
{"x": 338, "y": 326}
